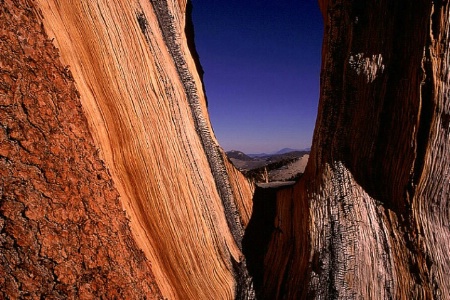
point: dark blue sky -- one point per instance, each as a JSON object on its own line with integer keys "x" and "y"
{"x": 262, "y": 66}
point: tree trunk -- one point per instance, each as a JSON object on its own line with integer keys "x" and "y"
{"x": 370, "y": 217}
{"x": 113, "y": 185}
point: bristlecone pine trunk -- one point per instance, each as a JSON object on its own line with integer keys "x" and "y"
{"x": 113, "y": 185}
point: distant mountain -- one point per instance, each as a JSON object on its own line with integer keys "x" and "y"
{"x": 239, "y": 155}
{"x": 284, "y": 165}
{"x": 286, "y": 150}
{"x": 258, "y": 155}
{"x": 257, "y": 162}
{"x": 280, "y": 152}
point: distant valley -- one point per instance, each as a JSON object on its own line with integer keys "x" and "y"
{"x": 284, "y": 165}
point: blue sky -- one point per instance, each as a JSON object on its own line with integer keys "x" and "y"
{"x": 262, "y": 67}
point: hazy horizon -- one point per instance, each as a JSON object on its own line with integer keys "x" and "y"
{"x": 262, "y": 70}
{"x": 270, "y": 152}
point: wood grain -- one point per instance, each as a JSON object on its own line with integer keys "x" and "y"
{"x": 374, "y": 199}
{"x": 148, "y": 118}
{"x": 107, "y": 149}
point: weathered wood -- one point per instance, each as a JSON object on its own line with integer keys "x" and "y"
{"x": 372, "y": 209}
{"x": 143, "y": 103}
{"x": 113, "y": 185}
{"x": 63, "y": 232}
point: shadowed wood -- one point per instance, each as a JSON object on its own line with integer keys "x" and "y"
{"x": 374, "y": 199}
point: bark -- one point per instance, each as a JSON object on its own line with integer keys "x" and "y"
{"x": 63, "y": 232}
{"x": 114, "y": 186}
{"x": 369, "y": 218}
{"x": 140, "y": 96}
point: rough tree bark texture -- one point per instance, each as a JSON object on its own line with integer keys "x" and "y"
{"x": 113, "y": 185}
{"x": 134, "y": 135}
{"x": 63, "y": 232}
{"x": 370, "y": 218}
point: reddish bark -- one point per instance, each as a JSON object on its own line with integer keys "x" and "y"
{"x": 63, "y": 233}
